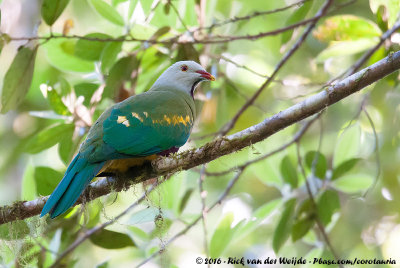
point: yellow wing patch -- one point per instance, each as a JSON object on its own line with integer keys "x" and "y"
{"x": 167, "y": 120}
{"x": 176, "y": 119}
{"x": 123, "y": 120}
{"x": 137, "y": 116}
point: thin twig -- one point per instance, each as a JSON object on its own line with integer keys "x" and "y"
{"x": 316, "y": 156}
{"x": 219, "y": 57}
{"x": 280, "y": 81}
{"x": 377, "y": 157}
{"x": 179, "y": 16}
{"x": 154, "y": 5}
{"x": 230, "y": 83}
{"x": 227, "y": 127}
{"x": 250, "y": 16}
{"x": 173, "y": 40}
{"x": 229, "y": 38}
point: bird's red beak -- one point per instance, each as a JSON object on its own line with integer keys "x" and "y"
{"x": 206, "y": 75}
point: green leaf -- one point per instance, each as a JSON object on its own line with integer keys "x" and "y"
{"x": 90, "y": 49}
{"x": 56, "y": 103}
{"x": 60, "y": 54}
{"x": 353, "y": 183}
{"x": 344, "y": 167}
{"x": 320, "y": 164}
{"x": 119, "y": 74}
{"x": 18, "y": 79}
{"x": 345, "y": 48}
{"x": 222, "y": 236}
{"x": 108, "y": 12}
{"x": 144, "y": 215}
{"x": 93, "y": 213}
{"x": 166, "y": 9}
{"x": 184, "y": 200}
{"x": 381, "y": 18}
{"x": 160, "y": 32}
{"x": 347, "y": 28}
{"x": 28, "y": 183}
{"x": 117, "y": 2}
{"x": 111, "y": 239}
{"x": 67, "y": 147}
{"x": 392, "y": 8}
{"x": 102, "y": 265}
{"x": 132, "y": 6}
{"x": 109, "y": 55}
{"x": 187, "y": 52}
{"x": 327, "y": 204}
{"x": 258, "y": 216}
{"x": 306, "y": 209}
{"x": 47, "y": 138}
{"x": 46, "y": 180}
{"x": 13, "y": 231}
{"x": 170, "y": 192}
{"x": 284, "y": 226}
{"x": 304, "y": 220}
{"x": 2, "y": 41}
{"x": 301, "y": 227}
{"x": 348, "y": 144}
{"x": 52, "y": 9}
{"x": 65, "y": 87}
{"x": 289, "y": 172}
{"x": 296, "y": 16}
{"x": 138, "y": 233}
{"x": 86, "y": 90}
{"x": 268, "y": 171}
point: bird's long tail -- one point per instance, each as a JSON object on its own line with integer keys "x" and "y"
{"x": 78, "y": 175}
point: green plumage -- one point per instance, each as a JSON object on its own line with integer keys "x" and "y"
{"x": 146, "y": 130}
{"x": 142, "y": 125}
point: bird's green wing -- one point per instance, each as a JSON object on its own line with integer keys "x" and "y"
{"x": 149, "y": 123}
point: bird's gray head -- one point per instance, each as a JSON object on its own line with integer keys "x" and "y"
{"x": 183, "y": 75}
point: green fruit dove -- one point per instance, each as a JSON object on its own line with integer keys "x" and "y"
{"x": 153, "y": 123}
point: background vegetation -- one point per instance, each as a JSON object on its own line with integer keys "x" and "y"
{"x": 331, "y": 190}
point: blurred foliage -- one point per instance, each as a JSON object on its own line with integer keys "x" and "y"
{"x": 54, "y": 89}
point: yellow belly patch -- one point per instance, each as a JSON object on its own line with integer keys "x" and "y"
{"x": 122, "y": 165}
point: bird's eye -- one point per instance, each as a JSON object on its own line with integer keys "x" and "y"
{"x": 184, "y": 68}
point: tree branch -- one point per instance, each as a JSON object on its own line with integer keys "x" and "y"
{"x": 222, "y": 145}
{"x": 250, "y": 16}
{"x": 173, "y": 40}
